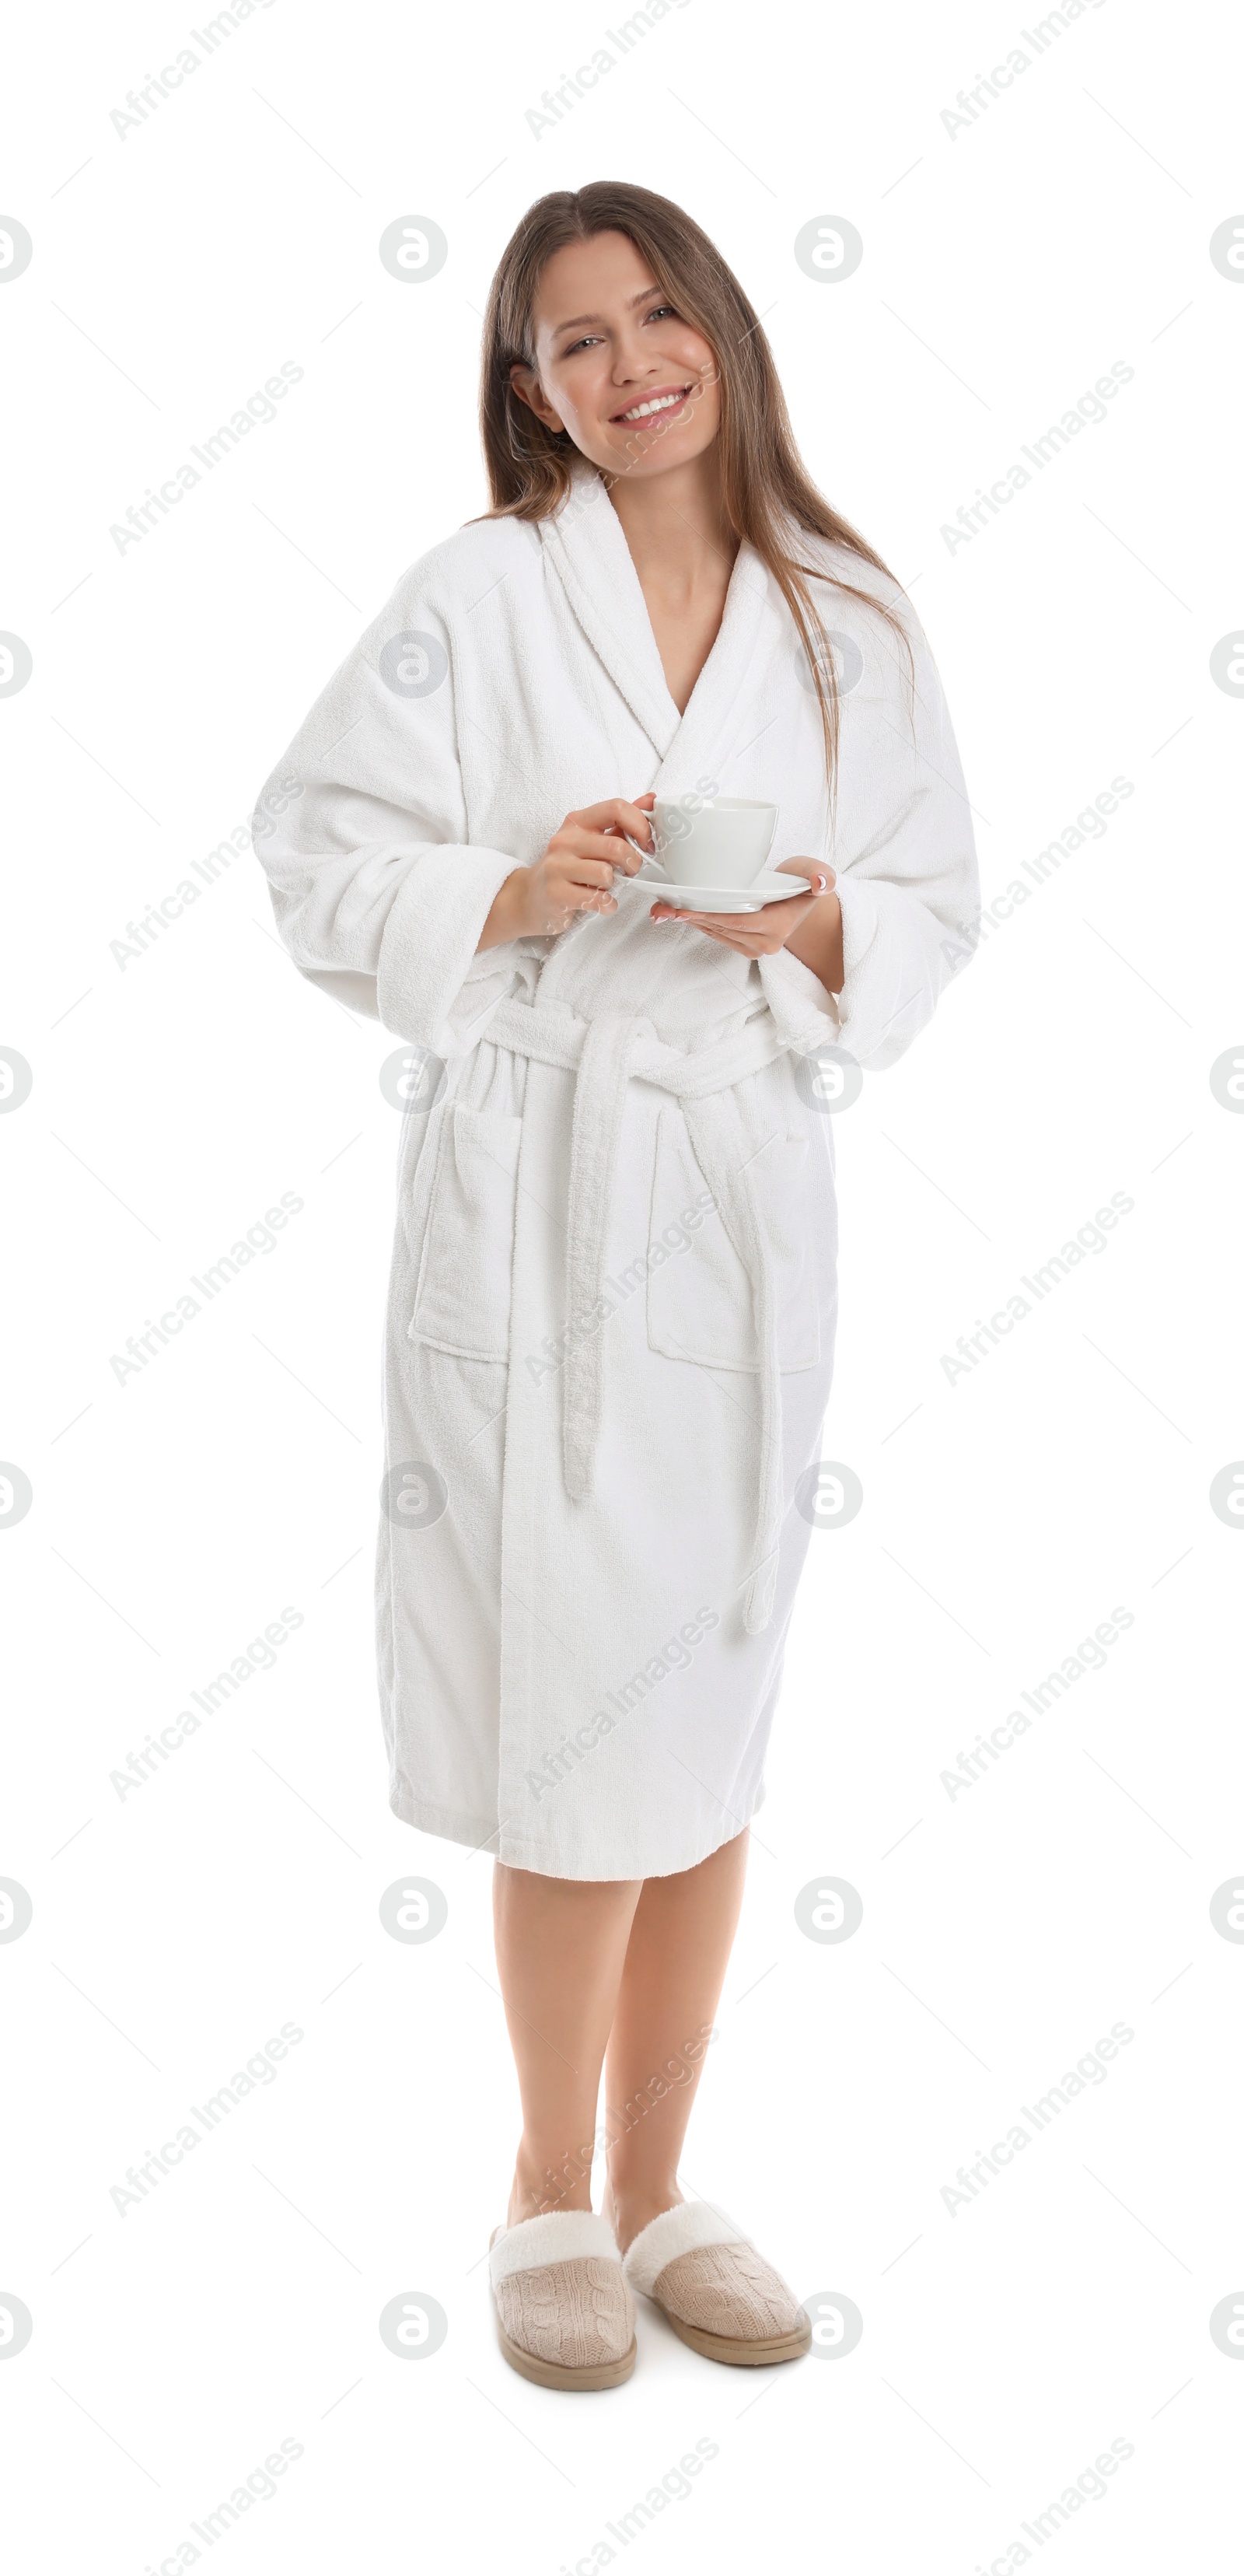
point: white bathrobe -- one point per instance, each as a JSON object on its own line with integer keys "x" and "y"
{"x": 612, "y": 1305}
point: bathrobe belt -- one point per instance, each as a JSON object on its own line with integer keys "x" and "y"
{"x": 604, "y": 1055}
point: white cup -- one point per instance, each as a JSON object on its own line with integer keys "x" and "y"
{"x": 712, "y": 840}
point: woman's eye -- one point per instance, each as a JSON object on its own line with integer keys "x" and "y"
{"x": 591, "y": 339}
{"x": 659, "y": 313}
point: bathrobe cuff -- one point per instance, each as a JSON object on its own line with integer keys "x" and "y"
{"x": 798, "y": 1002}
{"x": 431, "y": 987}
{"x": 890, "y": 945}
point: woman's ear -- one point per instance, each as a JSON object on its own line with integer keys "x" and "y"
{"x": 526, "y": 384}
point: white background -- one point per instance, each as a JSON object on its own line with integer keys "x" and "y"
{"x": 177, "y": 1096}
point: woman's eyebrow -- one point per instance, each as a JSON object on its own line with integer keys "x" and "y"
{"x": 578, "y": 320}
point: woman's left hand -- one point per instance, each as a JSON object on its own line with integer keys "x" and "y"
{"x": 810, "y": 925}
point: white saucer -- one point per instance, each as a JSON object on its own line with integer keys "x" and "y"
{"x": 771, "y": 886}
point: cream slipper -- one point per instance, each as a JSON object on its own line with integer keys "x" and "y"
{"x": 717, "y": 2292}
{"x": 565, "y": 2316}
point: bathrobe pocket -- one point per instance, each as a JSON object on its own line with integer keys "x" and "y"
{"x": 462, "y": 1303}
{"x": 699, "y": 1294}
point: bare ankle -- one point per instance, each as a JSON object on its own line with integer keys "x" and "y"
{"x": 539, "y": 2188}
{"x": 632, "y": 2201}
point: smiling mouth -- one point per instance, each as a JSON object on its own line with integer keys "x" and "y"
{"x": 655, "y": 406}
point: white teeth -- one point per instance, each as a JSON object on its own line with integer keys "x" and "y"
{"x": 665, "y": 402}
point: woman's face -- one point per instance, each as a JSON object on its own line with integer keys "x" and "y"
{"x": 616, "y": 365}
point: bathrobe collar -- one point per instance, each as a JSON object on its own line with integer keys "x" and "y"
{"x": 585, "y": 544}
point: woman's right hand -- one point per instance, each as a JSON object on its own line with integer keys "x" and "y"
{"x": 575, "y": 874}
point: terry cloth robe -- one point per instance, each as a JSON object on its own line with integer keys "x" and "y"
{"x": 611, "y": 1317}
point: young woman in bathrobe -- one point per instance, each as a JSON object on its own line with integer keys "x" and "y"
{"x": 612, "y": 1308}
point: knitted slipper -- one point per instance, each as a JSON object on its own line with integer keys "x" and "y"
{"x": 717, "y": 2292}
{"x": 565, "y": 2316}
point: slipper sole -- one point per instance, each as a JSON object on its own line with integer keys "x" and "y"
{"x": 553, "y": 2374}
{"x": 736, "y": 2349}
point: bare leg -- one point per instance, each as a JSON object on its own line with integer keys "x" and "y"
{"x": 681, "y": 1935}
{"x": 561, "y": 1943}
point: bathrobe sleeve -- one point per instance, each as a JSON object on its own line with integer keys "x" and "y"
{"x": 902, "y": 845}
{"x": 379, "y": 893}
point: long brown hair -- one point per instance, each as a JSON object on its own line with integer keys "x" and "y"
{"x": 763, "y": 476}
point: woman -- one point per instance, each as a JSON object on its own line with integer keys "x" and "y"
{"x": 612, "y": 1299}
